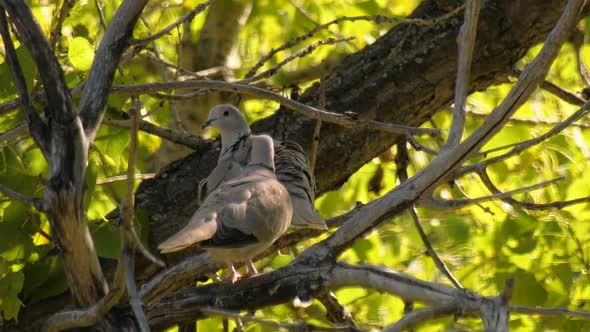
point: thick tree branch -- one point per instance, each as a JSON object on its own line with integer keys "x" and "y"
{"x": 37, "y": 127}
{"x": 443, "y": 165}
{"x": 107, "y": 57}
{"x": 56, "y": 91}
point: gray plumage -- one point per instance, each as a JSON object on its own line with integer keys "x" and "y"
{"x": 291, "y": 165}
{"x": 243, "y": 216}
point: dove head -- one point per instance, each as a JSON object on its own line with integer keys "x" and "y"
{"x": 228, "y": 119}
{"x": 262, "y": 152}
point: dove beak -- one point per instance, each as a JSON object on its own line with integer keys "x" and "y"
{"x": 207, "y": 123}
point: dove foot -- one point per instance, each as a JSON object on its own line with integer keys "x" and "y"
{"x": 252, "y": 271}
{"x": 234, "y": 275}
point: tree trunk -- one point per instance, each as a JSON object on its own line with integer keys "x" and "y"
{"x": 404, "y": 77}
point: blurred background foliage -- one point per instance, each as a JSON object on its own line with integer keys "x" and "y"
{"x": 547, "y": 252}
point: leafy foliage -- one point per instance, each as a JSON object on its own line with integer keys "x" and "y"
{"x": 546, "y": 252}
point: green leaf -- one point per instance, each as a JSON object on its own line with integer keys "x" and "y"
{"x": 52, "y": 281}
{"x": 107, "y": 241}
{"x": 458, "y": 229}
{"x": 81, "y": 53}
{"x": 15, "y": 245}
{"x": 10, "y": 286}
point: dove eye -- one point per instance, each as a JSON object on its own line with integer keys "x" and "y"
{"x": 226, "y": 113}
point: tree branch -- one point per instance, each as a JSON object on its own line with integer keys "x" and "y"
{"x": 37, "y": 127}
{"x": 529, "y": 143}
{"x": 408, "y": 193}
{"x": 431, "y": 252}
{"x": 529, "y": 206}
{"x": 115, "y": 41}
{"x": 37, "y": 203}
{"x": 466, "y": 43}
{"x": 376, "y": 18}
{"x": 185, "y": 18}
{"x": 414, "y": 318}
{"x": 312, "y": 112}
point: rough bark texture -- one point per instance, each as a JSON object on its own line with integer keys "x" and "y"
{"x": 404, "y": 77}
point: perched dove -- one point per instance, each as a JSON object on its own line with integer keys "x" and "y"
{"x": 243, "y": 216}
{"x": 291, "y": 164}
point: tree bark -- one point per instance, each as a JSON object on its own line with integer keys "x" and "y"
{"x": 405, "y": 77}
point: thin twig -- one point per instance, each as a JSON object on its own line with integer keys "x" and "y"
{"x": 557, "y": 91}
{"x": 466, "y": 43}
{"x": 529, "y": 143}
{"x": 526, "y": 205}
{"x": 21, "y": 130}
{"x": 379, "y": 19}
{"x": 177, "y": 136}
{"x": 57, "y": 24}
{"x": 549, "y": 311}
{"x": 459, "y": 203}
{"x": 101, "y": 15}
{"x": 318, "y": 124}
{"x": 430, "y": 250}
{"x": 37, "y": 203}
{"x": 185, "y": 18}
{"x": 299, "y": 54}
{"x": 201, "y": 74}
{"x": 128, "y": 206}
{"x": 335, "y": 311}
{"x": 416, "y": 317}
{"x": 301, "y": 326}
{"x": 330, "y": 117}
{"x": 111, "y": 179}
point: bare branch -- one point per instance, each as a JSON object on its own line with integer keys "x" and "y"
{"x": 414, "y": 318}
{"x": 37, "y": 127}
{"x": 336, "y": 312}
{"x": 177, "y": 136}
{"x": 185, "y": 18}
{"x": 529, "y": 206}
{"x": 532, "y": 142}
{"x": 442, "y": 167}
{"x": 459, "y": 203}
{"x": 330, "y": 117}
{"x": 56, "y": 90}
{"x": 124, "y": 177}
{"x": 431, "y": 252}
{"x": 558, "y": 91}
{"x": 84, "y": 317}
{"x": 115, "y": 41}
{"x": 299, "y": 54}
{"x": 376, "y": 18}
{"x": 201, "y": 74}
{"x": 58, "y": 22}
{"x": 37, "y": 203}
{"x": 466, "y": 43}
{"x": 549, "y": 311}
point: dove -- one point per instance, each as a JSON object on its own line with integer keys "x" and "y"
{"x": 243, "y": 216}
{"x": 291, "y": 165}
